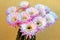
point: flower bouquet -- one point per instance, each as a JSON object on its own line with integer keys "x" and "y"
{"x": 29, "y": 19}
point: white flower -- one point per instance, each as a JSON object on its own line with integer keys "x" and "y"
{"x": 54, "y": 15}
{"x": 13, "y": 18}
{"x": 11, "y": 10}
{"x": 28, "y": 29}
{"x": 50, "y": 19}
{"x": 41, "y": 9}
{"x": 42, "y": 13}
{"x": 32, "y": 11}
{"x": 40, "y": 22}
{"x": 24, "y": 16}
{"x": 24, "y": 4}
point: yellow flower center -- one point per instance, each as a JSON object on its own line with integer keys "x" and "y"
{"x": 29, "y": 28}
{"x": 25, "y": 17}
{"x": 14, "y": 18}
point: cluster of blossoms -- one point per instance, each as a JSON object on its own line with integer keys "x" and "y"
{"x": 30, "y": 19}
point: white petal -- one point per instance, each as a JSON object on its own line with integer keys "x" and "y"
{"x": 54, "y": 15}
{"x": 11, "y": 10}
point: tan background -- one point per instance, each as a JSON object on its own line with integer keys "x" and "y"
{"x": 8, "y": 33}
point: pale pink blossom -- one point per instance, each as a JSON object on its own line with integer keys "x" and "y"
{"x": 11, "y": 10}
{"x": 32, "y": 11}
{"x": 24, "y": 17}
{"x": 28, "y": 29}
{"x": 24, "y": 4}
{"x": 13, "y": 18}
{"x": 39, "y": 22}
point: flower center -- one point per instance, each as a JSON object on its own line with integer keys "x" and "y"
{"x": 29, "y": 28}
{"x": 39, "y": 24}
{"x": 31, "y": 13}
{"x": 47, "y": 19}
{"x": 20, "y": 10}
{"x": 24, "y": 18}
{"x": 14, "y": 19}
{"x": 12, "y": 10}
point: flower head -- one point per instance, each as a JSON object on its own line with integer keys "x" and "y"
{"x": 28, "y": 29}
{"x": 49, "y": 19}
{"x": 41, "y": 9}
{"x": 24, "y": 16}
{"x": 11, "y": 10}
{"x": 24, "y": 4}
{"x": 32, "y": 11}
{"x": 40, "y": 22}
{"x": 13, "y": 18}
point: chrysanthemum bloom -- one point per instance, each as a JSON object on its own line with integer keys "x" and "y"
{"x": 28, "y": 29}
{"x": 49, "y": 19}
{"x": 43, "y": 10}
{"x": 32, "y": 11}
{"x": 13, "y": 18}
{"x": 24, "y": 4}
{"x": 24, "y": 17}
{"x": 11, "y": 10}
{"x": 40, "y": 23}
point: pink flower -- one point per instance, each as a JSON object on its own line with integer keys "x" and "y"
{"x": 41, "y": 9}
{"x": 13, "y": 18}
{"x": 24, "y": 17}
{"x": 11, "y": 10}
{"x": 32, "y": 11}
{"x": 39, "y": 22}
{"x": 28, "y": 29}
{"x": 24, "y": 4}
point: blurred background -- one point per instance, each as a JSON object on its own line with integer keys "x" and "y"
{"x": 9, "y": 33}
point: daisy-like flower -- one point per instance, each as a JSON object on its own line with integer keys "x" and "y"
{"x": 24, "y": 4}
{"x": 54, "y": 15}
{"x": 28, "y": 29}
{"x": 32, "y": 11}
{"x": 11, "y": 10}
{"x": 24, "y": 16}
{"x": 40, "y": 23}
{"x": 13, "y": 18}
{"x": 43, "y": 10}
{"x": 49, "y": 19}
